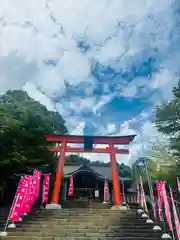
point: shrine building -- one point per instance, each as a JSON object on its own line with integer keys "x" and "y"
{"x": 89, "y": 182}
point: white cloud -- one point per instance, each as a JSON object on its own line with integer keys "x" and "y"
{"x": 13, "y": 72}
{"x": 82, "y": 105}
{"x": 111, "y": 127}
{"x": 125, "y": 129}
{"x": 104, "y": 100}
{"x": 38, "y": 96}
{"x": 146, "y": 137}
{"x": 129, "y": 91}
{"x": 35, "y": 32}
{"x": 164, "y": 81}
{"x": 79, "y": 129}
{"x": 74, "y": 66}
{"x": 48, "y": 30}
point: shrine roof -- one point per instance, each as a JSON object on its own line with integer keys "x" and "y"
{"x": 101, "y": 171}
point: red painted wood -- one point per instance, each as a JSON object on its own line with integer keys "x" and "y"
{"x": 96, "y": 140}
{"x": 95, "y": 150}
{"x": 115, "y": 176}
{"x": 59, "y": 174}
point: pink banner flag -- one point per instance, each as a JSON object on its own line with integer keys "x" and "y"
{"x": 176, "y": 218}
{"x": 17, "y": 209}
{"x": 30, "y": 197}
{"x": 106, "y": 191}
{"x": 46, "y": 187}
{"x": 167, "y": 207}
{"x": 36, "y": 182}
{"x": 159, "y": 185}
{"x": 27, "y": 197}
{"x": 143, "y": 197}
{"x": 71, "y": 187}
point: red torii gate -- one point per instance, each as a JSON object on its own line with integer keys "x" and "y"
{"x": 63, "y": 147}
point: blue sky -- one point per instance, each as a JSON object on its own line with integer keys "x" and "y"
{"x": 104, "y": 65}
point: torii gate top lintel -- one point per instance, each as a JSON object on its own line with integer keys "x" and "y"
{"x": 96, "y": 139}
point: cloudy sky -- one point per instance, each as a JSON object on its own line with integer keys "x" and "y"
{"x": 104, "y": 65}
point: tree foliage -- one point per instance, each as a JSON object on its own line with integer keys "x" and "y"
{"x": 168, "y": 120}
{"x": 161, "y": 165}
{"x": 168, "y": 123}
{"x": 23, "y": 121}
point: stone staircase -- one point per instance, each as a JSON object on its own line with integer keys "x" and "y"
{"x": 79, "y": 223}
{"x": 88, "y": 204}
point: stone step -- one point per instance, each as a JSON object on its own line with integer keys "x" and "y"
{"x": 127, "y": 218}
{"x": 92, "y": 206}
{"x": 100, "y": 216}
{"x": 80, "y": 230}
{"x": 63, "y": 215}
{"x": 71, "y": 222}
{"x": 85, "y": 226}
{"x": 84, "y": 234}
{"x": 79, "y": 238}
{"x": 84, "y": 204}
{"x": 76, "y": 218}
{"x": 112, "y": 213}
{"x": 61, "y": 223}
{"x": 84, "y": 215}
{"x": 82, "y": 220}
{"x": 64, "y": 212}
{"x": 79, "y": 217}
{"x": 80, "y": 210}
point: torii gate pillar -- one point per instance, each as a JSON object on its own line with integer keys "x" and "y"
{"x": 59, "y": 175}
{"x": 115, "y": 176}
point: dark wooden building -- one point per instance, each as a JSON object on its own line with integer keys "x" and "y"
{"x": 89, "y": 182}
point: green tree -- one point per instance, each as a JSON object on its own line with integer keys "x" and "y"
{"x": 168, "y": 120}
{"x": 162, "y": 163}
{"x": 23, "y": 122}
{"x": 75, "y": 159}
{"x": 168, "y": 123}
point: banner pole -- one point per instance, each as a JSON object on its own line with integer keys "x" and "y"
{"x": 4, "y": 233}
